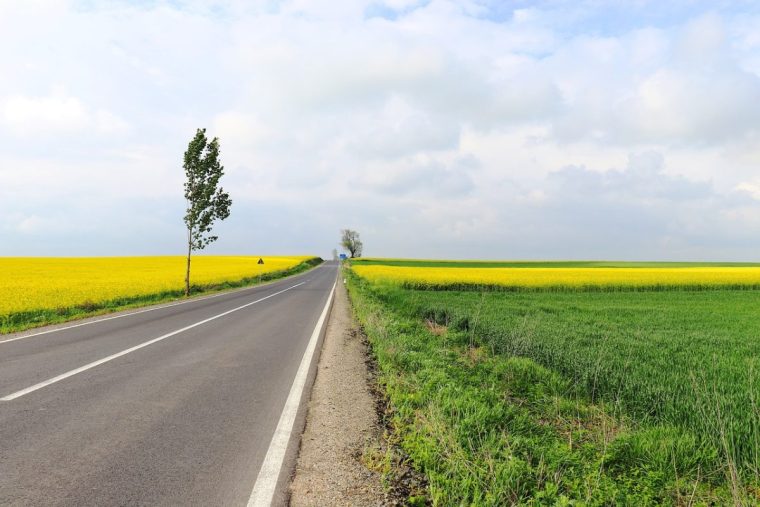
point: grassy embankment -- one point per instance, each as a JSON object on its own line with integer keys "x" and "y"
{"x": 606, "y": 398}
{"x": 43, "y": 291}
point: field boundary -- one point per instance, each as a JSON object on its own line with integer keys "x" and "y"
{"x": 472, "y": 287}
{"x": 432, "y": 263}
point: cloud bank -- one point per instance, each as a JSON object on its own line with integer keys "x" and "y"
{"x": 435, "y": 128}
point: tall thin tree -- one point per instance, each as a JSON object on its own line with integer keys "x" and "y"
{"x": 207, "y": 202}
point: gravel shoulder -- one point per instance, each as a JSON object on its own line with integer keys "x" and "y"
{"x": 341, "y": 423}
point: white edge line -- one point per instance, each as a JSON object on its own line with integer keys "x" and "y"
{"x": 159, "y": 307}
{"x": 93, "y": 364}
{"x": 266, "y": 482}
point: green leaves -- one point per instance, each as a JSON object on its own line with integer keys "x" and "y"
{"x": 350, "y": 241}
{"x": 207, "y": 202}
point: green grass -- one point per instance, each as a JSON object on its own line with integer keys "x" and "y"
{"x": 594, "y": 398}
{"x": 20, "y": 321}
{"x": 690, "y": 359}
{"x": 545, "y": 264}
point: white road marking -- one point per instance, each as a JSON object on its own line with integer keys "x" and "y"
{"x": 266, "y": 482}
{"x": 161, "y": 307}
{"x": 86, "y": 367}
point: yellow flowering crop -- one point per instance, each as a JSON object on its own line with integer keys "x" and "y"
{"x": 29, "y": 283}
{"x": 564, "y": 278}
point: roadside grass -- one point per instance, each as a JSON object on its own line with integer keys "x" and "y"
{"x": 481, "y": 402}
{"x": 20, "y": 321}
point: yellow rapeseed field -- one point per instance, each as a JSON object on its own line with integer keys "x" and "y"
{"x": 29, "y": 283}
{"x": 570, "y": 278}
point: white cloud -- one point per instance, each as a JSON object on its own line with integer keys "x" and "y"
{"x": 37, "y": 225}
{"x": 27, "y": 115}
{"x": 239, "y": 128}
{"x": 683, "y": 107}
{"x": 441, "y": 128}
{"x": 753, "y": 189}
{"x": 55, "y": 114}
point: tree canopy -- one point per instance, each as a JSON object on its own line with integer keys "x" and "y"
{"x": 207, "y": 202}
{"x": 351, "y": 243}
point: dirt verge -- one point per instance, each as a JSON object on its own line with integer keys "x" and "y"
{"x": 342, "y": 423}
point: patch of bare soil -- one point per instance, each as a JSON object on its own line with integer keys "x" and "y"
{"x": 343, "y": 429}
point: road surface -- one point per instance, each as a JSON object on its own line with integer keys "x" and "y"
{"x": 188, "y": 404}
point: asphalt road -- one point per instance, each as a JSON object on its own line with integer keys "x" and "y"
{"x": 179, "y": 405}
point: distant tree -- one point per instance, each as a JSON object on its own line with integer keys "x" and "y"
{"x": 207, "y": 202}
{"x": 335, "y": 254}
{"x": 351, "y": 243}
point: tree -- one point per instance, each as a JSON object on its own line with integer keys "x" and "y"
{"x": 351, "y": 242}
{"x": 335, "y": 254}
{"x": 207, "y": 202}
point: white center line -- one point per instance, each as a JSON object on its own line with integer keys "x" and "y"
{"x": 266, "y": 482}
{"x": 86, "y": 367}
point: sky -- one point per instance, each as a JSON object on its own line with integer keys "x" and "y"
{"x": 437, "y": 129}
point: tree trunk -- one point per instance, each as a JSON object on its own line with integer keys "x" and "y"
{"x": 187, "y": 273}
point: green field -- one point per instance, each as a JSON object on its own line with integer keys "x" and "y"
{"x": 609, "y": 398}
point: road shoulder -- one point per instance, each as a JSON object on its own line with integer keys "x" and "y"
{"x": 341, "y": 422}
